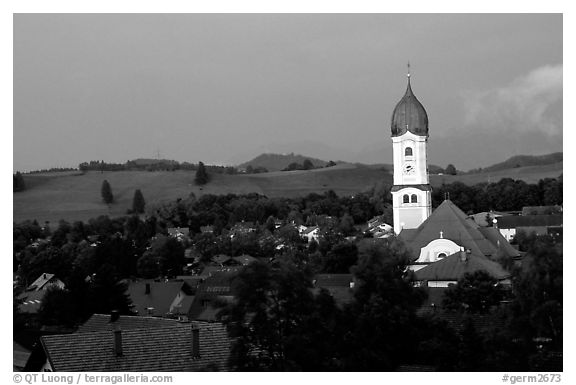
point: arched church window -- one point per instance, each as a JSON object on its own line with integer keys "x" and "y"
{"x": 414, "y": 198}
{"x": 408, "y": 151}
{"x": 406, "y": 198}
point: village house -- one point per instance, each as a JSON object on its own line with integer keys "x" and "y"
{"x": 311, "y": 233}
{"x": 138, "y": 344}
{"x": 378, "y": 228}
{"x": 510, "y": 225}
{"x": 241, "y": 229}
{"x": 32, "y": 297}
{"x": 210, "y": 295}
{"x": 180, "y": 233}
{"x": 154, "y": 298}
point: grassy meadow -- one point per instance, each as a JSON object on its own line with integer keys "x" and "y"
{"x": 76, "y": 196}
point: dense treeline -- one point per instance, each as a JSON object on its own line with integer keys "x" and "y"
{"x": 279, "y": 323}
{"x": 53, "y": 169}
{"x": 223, "y": 211}
{"x": 18, "y": 182}
{"x": 505, "y": 195}
{"x": 152, "y": 165}
{"x": 96, "y": 165}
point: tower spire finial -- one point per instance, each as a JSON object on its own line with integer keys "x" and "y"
{"x": 408, "y": 73}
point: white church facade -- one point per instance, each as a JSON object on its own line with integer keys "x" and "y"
{"x": 447, "y": 243}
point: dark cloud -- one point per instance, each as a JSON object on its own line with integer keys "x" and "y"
{"x": 215, "y": 87}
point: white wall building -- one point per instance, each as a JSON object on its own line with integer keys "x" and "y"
{"x": 411, "y": 193}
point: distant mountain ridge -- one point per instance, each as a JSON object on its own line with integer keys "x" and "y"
{"x": 150, "y": 161}
{"x": 278, "y": 162}
{"x": 524, "y": 161}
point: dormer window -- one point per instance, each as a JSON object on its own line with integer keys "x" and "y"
{"x": 408, "y": 151}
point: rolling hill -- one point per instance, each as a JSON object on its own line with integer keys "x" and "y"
{"x": 76, "y": 196}
{"x": 277, "y": 162}
{"x": 525, "y": 161}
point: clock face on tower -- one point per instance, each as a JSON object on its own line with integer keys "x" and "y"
{"x": 408, "y": 169}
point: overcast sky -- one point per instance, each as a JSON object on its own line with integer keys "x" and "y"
{"x": 224, "y": 88}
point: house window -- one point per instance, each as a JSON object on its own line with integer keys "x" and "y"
{"x": 414, "y": 198}
{"x": 408, "y": 151}
{"x": 441, "y": 255}
{"x": 406, "y": 199}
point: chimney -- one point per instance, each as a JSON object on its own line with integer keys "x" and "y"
{"x": 195, "y": 341}
{"x": 118, "y": 342}
{"x": 147, "y": 288}
{"x": 114, "y": 316}
{"x": 463, "y": 256}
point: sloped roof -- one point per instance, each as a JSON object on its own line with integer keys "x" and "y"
{"x": 480, "y": 322}
{"x": 101, "y": 322}
{"x": 183, "y": 307}
{"x": 452, "y": 268}
{"x": 515, "y": 221}
{"x": 31, "y": 301}
{"x": 160, "y": 298}
{"x": 496, "y": 238}
{"x": 480, "y": 218}
{"x": 20, "y": 356}
{"x": 221, "y": 259}
{"x": 310, "y": 230}
{"x": 144, "y": 350}
{"x": 208, "y": 271}
{"x": 541, "y": 210}
{"x": 211, "y": 290}
{"x": 41, "y": 281}
{"x": 455, "y": 226}
{"x": 175, "y": 231}
{"x": 245, "y": 259}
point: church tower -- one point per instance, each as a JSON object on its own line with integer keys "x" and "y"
{"x": 411, "y": 193}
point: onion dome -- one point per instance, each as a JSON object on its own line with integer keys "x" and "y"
{"x": 409, "y": 115}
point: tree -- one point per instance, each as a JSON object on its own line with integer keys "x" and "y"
{"x": 307, "y": 165}
{"x": 201, "y": 174}
{"x": 106, "y": 191}
{"x": 537, "y": 304}
{"x": 277, "y": 323}
{"x": 108, "y": 293}
{"x": 382, "y": 319}
{"x": 165, "y": 256}
{"x": 346, "y": 225}
{"x": 340, "y": 258}
{"x": 474, "y": 293}
{"x": 270, "y": 224}
{"x": 138, "y": 202}
{"x": 451, "y": 170}
{"x": 18, "y": 182}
